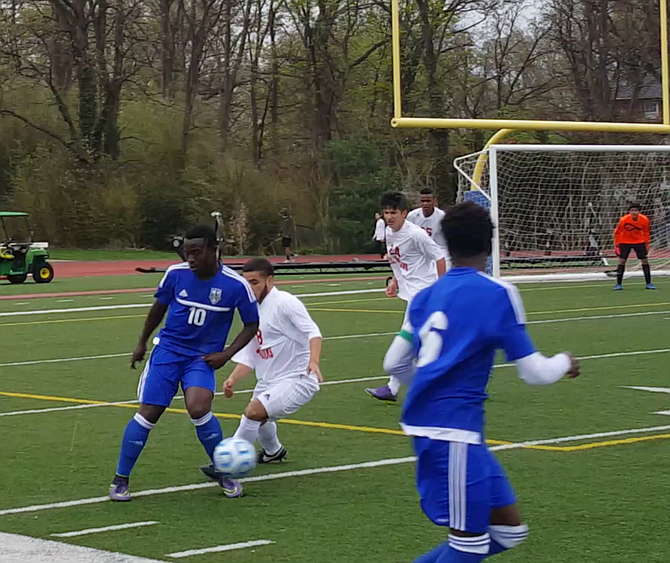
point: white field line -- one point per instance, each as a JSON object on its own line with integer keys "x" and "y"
{"x": 105, "y": 529}
{"x": 24, "y": 549}
{"x": 315, "y": 471}
{"x": 650, "y": 389}
{"x": 60, "y": 360}
{"x": 145, "y": 305}
{"x": 335, "y": 382}
{"x": 218, "y": 548}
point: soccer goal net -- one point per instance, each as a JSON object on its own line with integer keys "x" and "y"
{"x": 556, "y": 206}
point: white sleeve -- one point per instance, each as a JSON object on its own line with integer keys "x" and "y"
{"x": 537, "y": 369}
{"x": 428, "y": 246}
{"x": 400, "y": 361}
{"x": 246, "y": 355}
{"x": 299, "y": 317}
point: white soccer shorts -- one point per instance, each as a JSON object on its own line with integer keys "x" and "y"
{"x": 286, "y": 397}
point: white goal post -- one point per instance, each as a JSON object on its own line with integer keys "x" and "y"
{"x": 555, "y": 207}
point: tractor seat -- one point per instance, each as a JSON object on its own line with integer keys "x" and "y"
{"x": 5, "y": 253}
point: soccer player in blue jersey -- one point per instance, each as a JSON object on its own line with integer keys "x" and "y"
{"x": 200, "y": 297}
{"x": 445, "y": 354}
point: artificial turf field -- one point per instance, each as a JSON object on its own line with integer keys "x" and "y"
{"x": 346, "y": 493}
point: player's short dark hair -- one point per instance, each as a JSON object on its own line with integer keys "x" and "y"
{"x": 468, "y": 230}
{"x": 427, "y": 191}
{"x": 204, "y": 232}
{"x": 261, "y": 265}
{"x": 393, "y": 200}
{"x": 634, "y": 205}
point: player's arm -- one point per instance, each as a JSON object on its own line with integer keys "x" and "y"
{"x": 646, "y": 231}
{"x": 248, "y": 310}
{"x": 297, "y": 314}
{"x": 617, "y": 235}
{"x": 432, "y": 251}
{"x": 400, "y": 358}
{"x": 238, "y": 374}
{"x": 533, "y": 367}
{"x": 152, "y": 322}
{"x": 163, "y": 297}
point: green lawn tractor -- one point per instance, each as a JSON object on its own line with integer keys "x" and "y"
{"x": 19, "y": 255}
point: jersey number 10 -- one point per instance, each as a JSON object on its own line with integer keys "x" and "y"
{"x": 196, "y": 316}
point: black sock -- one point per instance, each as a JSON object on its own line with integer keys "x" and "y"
{"x": 647, "y": 273}
{"x": 619, "y": 273}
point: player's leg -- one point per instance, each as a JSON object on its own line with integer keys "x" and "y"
{"x": 250, "y": 423}
{"x": 198, "y": 383}
{"x": 624, "y": 253}
{"x": 455, "y": 491}
{"x": 507, "y": 530}
{"x": 641, "y": 253}
{"x": 272, "y": 449}
{"x": 158, "y": 385}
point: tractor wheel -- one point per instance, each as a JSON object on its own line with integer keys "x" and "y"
{"x": 17, "y": 278}
{"x": 43, "y": 272}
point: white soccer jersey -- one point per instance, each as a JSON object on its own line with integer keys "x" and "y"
{"x": 412, "y": 254}
{"x": 432, "y": 225}
{"x": 280, "y": 350}
{"x": 380, "y": 227}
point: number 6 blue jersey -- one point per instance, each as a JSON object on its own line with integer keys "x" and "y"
{"x": 457, "y": 324}
{"x": 201, "y": 312}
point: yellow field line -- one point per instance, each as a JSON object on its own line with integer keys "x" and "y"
{"x": 637, "y": 305}
{"x": 62, "y": 321}
{"x": 621, "y": 442}
{"x": 334, "y": 426}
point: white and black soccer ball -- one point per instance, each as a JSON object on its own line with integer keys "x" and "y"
{"x": 234, "y": 458}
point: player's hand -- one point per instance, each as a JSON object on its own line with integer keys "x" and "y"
{"x": 574, "y": 367}
{"x": 314, "y": 368}
{"x": 217, "y": 359}
{"x": 392, "y": 288}
{"x": 138, "y": 354}
{"x": 228, "y": 388}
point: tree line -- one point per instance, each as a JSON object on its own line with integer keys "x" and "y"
{"x": 123, "y": 121}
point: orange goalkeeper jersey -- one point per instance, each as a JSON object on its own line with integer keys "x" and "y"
{"x": 629, "y": 231}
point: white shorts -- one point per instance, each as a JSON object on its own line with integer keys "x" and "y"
{"x": 286, "y": 397}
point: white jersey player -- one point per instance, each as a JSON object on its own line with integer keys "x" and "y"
{"x": 285, "y": 356}
{"x": 429, "y": 217}
{"x": 416, "y": 262}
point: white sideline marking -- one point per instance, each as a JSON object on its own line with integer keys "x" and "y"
{"x": 318, "y": 471}
{"x": 596, "y": 317}
{"x": 23, "y": 549}
{"x": 666, "y": 413}
{"x": 650, "y": 389}
{"x": 105, "y": 529}
{"x": 60, "y": 360}
{"x": 145, "y": 305}
{"x": 71, "y": 408}
{"x": 218, "y": 548}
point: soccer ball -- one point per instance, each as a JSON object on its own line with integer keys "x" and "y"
{"x": 234, "y": 457}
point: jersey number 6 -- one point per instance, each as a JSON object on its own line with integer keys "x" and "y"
{"x": 196, "y": 316}
{"x": 431, "y": 340}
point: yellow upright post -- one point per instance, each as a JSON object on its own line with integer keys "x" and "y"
{"x": 665, "y": 65}
{"x": 395, "y": 44}
{"x": 481, "y": 161}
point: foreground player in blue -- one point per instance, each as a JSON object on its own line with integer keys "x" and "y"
{"x": 200, "y": 297}
{"x": 445, "y": 353}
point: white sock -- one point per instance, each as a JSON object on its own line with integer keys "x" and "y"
{"x": 267, "y": 436}
{"x": 394, "y": 385}
{"x": 248, "y": 430}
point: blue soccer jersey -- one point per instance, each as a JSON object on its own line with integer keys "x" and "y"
{"x": 457, "y": 325}
{"x": 201, "y": 312}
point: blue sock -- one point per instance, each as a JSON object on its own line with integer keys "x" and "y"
{"x": 496, "y": 548}
{"x": 432, "y": 556}
{"x": 209, "y": 432}
{"x": 133, "y": 442}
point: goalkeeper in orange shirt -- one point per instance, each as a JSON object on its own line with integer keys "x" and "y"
{"x": 632, "y": 233}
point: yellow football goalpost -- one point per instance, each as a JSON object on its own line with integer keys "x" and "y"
{"x": 527, "y": 125}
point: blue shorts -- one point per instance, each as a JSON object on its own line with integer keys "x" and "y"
{"x": 460, "y": 484}
{"x": 165, "y": 370}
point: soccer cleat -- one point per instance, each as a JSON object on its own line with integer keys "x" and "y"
{"x": 263, "y": 457}
{"x": 230, "y": 487}
{"x": 210, "y": 472}
{"x": 650, "y": 286}
{"x": 118, "y": 491}
{"x": 618, "y": 287}
{"x": 382, "y": 393}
